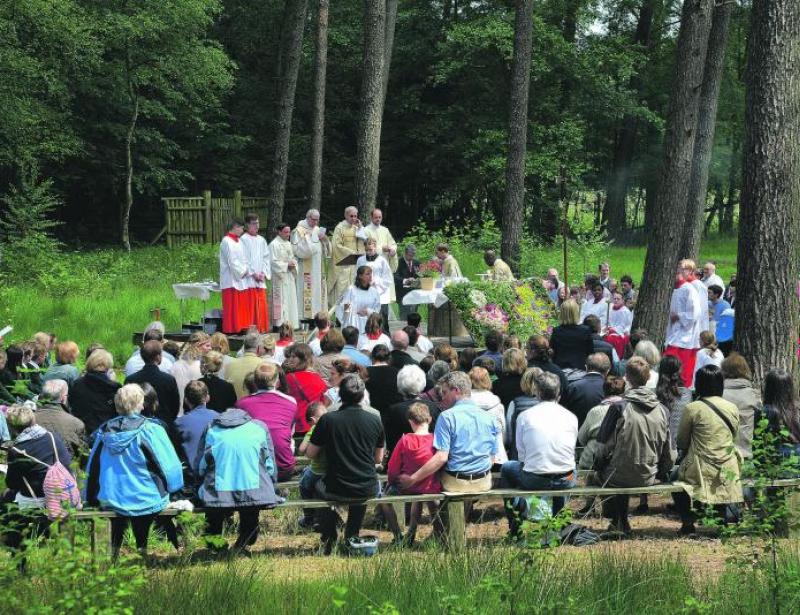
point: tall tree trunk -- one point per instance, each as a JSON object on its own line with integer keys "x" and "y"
{"x": 619, "y": 178}
{"x": 666, "y": 219}
{"x": 318, "y": 108}
{"x": 291, "y": 49}
{"x": 133, "y": 95}
{"x": 766, "y": 297}
{"x": 513, "y": 212}
{"x": 726, "y": 218}
{"x": 706, "y": 123}
{"x": 371, "y": 106}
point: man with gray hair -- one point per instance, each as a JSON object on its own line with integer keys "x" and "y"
{"x": 52, "y": 415}
{"x": 238, "y": 369}
{"x": 153, "y": 332}
{"x": 311, "y": 244}
{"x": 545, "y": 438}
{"x": 348, "y": 239}
{"x": 399, "y": 355}
{"x": 465, "y": 440}
{"x": 405, "y": 277}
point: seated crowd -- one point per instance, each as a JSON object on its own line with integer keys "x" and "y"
{"x": 197, "y": 423}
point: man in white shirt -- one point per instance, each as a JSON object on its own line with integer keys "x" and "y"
{"x": 136, "y": 363}
{"x": 605, "y": 275}
{"x": 597, "y": 304}
{"x": 256, "y": 252}
{"x": 546, "y": 436}
{"x": 683, "y": 332}
{"x": 237, "y": 312}
{"x": 710, "y": 277}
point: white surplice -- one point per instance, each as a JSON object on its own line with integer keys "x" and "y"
{"x": 256, "y": 251}
{"x": 382, "y": 277}
{"x": 357, "y": 300}
{"x": 284, "y": 285}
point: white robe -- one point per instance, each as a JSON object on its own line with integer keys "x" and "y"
{"x": 382, "y": 277}
{"x": 312, "y": 289}
{"x": 232, "y": 264}
{"x": 599, "y": 309}
{"x": 284, "y": 285}
{"x": 702, "y": 297}
{"x": 256, "y": 252}
{"x": 621, "y": 320}
{"x": 358, "y": 299}
{"x": 383, "y": 238}
{"x": 684, "y": 332}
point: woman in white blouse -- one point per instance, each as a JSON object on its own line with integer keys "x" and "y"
{"x": 382, "y": 276}
{"x": 359, "y": 301}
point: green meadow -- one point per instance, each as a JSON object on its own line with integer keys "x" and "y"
{"x": 105, "y": 295}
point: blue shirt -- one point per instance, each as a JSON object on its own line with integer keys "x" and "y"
{"x": 469, "y": 435}
{"x": 497, "y": 357}
{"x": 720, "y": 307}
{"x": 189, "y": 429}
{"x": 355, "y": 355}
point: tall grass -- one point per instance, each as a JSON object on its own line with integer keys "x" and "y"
{"x": 595, "y": 581}
{"x": 106, "y": 295}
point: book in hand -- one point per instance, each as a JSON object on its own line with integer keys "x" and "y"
{"x": 350, "y": 259}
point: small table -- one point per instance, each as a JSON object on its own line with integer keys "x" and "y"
{"x": 195, "y": 290}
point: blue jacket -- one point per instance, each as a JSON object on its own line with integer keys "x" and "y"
{"x": 188, "y": 430}
{"x": 133, "y": 467}
{"x": 236, "y": 461}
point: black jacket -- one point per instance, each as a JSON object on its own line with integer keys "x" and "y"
{"x": 400, "y": 358}
{"x": 91, "y": 399}
{"x": 401, "y": 274}
{"x": 549, "y": 366}
{"x": 600, "y": 345}
{"x": 507, "y": 388}
{"x": 583, "y": 395}
{"x": 222, "y": 392}
{"x": 571, "y": 345}
{"x": 382, "y": 387}
{"x": 169, "y": 401}
{"x": 395, "y": 422}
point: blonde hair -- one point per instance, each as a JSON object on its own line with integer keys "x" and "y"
{"x": 479, "y": 377}
{"x": 191, "y": 349}
{"x": 419, "y": 414}
{"x": 67, "y": 352}
{"x": 211, "y": 363}
{"x": 129, "y": 399}
{"x": 687, "y": 263}
{"x": 570, "y": 313}
{"x": 99, "y": 361}
{"x": 514, "y": 362}
{"x": 528, "y": 381}
{"x": 21, "y": 416}
{"x": 708, "y": 341}
{"x": 220, "y": 343}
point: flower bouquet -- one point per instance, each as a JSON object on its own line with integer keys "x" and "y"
{"x": 491, "y": 317}
{"x": 428, "y": 273}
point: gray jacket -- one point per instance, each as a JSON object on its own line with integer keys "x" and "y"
{"x": 740, "y": 392}
{"x": 637, "y": 447}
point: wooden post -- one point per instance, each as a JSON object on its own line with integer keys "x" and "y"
{"x": 207, "y": 212}
{"x": 456, "y": 525}
{"x": 792, "y": 512}
{"x": 237, "y": 204}
{"x": 169, "y": 222}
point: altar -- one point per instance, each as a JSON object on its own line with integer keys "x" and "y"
{"x": 443, "y": 320}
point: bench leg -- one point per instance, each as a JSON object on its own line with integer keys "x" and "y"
{"x": 93, "y": 537}
{"x": 456, "y": 525}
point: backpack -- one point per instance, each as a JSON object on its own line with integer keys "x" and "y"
{"x": 60, "y": 487}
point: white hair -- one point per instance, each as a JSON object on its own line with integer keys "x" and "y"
{"x": 312, "y": 212}
{"x": 351, "y": 208}
{"x": 21, "y": 416}
{"x": 129, "y": 399}
{"x": 410, "y": 381}
{"x": 156, "y": 325}
{"x": 55, "y": 389}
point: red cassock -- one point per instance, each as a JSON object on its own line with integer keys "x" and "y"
{"x": 688, "y": 359}
{"x": 237, "y": 310}
{"x": 258, "y": 303}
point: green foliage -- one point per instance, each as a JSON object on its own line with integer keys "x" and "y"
{"x": 60, "y": 577}
{"x": 27, "y": 247}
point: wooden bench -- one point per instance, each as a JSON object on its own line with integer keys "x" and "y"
{"x": 453, "y": 503}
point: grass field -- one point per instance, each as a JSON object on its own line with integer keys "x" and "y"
{"x": 106, "y": 295}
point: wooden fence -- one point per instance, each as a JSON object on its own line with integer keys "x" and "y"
{"x": 203, "y": 219}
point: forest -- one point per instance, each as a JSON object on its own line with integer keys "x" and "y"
{"x": 115, "y": 104}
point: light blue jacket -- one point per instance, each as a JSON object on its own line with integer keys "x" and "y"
{"x": 236, "y": 462}
{"x": 133, "y": 467}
